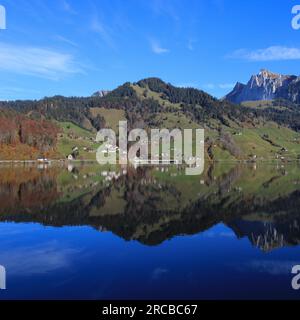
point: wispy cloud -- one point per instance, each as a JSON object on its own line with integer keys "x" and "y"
{"x": 226, "y": 85}
{"x": 165, "y": 7}
{"x": 209, "y": 86}
{"x": 65, "y": 40}
{"x": 99, "y": 27}
{"x": 157, "y": 48}
{"x": 187, "y": 85}
{"x": 37, "y": 61}
{"x": 218, "y": 86}
{"x": 274, "y": 53}
{"x": 191, "y": 43}
{"x": 67, "y": 7}
{"x": 39, "y": 259}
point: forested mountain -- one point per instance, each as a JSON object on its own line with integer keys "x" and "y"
{"x": 232, "y": 131}
{"x": 19, "y": 134}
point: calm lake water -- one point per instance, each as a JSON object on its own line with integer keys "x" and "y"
{"x": 89, "y": 232}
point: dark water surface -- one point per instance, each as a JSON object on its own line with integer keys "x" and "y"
{"x": 88, "y": 232}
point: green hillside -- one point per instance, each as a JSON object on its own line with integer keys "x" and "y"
{"x": 261, "y": 130}
{"x": 73, "y": 136}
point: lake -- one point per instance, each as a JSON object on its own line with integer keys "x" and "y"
{"x": 92, "y": 232}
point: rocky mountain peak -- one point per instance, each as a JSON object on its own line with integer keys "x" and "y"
{"x": 266, "y": 74}
{"x": 101, "y": 93}
{"x": 265, "y": 85}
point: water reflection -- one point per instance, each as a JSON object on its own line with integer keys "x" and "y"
{"x": 152, "y": 205}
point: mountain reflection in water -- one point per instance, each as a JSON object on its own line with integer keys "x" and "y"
{"x": 152, "y": 205}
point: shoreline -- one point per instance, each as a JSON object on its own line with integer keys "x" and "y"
{"x": 49, "y": 161}
{"x": 45, "y": 162}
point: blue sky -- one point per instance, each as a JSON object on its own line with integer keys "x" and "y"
{"x": 75, "y": 47}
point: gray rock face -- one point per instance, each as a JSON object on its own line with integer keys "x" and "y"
{"x": 267, "y": 86}
{"x": 101, "y": 93}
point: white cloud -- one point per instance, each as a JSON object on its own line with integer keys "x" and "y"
{"x": 38, "y": 259}
{"x": 226, "y": 85}
{"x": 274, "y": 53}
{"x": 190, "y": 46}
{"x": 191, "y": 43}
{"x": 165, "y": 8}
{"x": 187, "y": 85}
{"x": 67, "y": 7}
{"x": 65, "y": 40}
{"x": 223, "y": 86}
{"x": 98, "y": 27}
{"x": 209, "y": 86}
{"x": 36, "y": 61}
{"x": 157, "y": 49}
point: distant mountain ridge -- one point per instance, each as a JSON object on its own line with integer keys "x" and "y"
{"x": 267, "y": 85}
